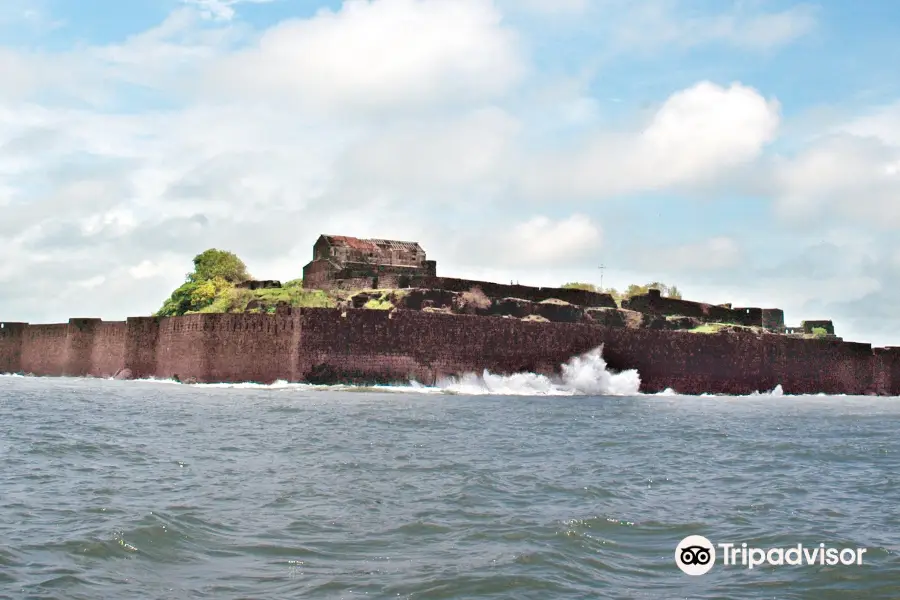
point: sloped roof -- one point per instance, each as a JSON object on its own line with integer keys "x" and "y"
{"x": 397, "y": 245}
{"x": 351, "y": 242}
{"x": 371, "y": 245}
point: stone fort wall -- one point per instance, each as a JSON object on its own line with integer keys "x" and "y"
{"x": 329, "y": 345}
{"x": 501, "y": 290}
{"x": 653, "y": 302}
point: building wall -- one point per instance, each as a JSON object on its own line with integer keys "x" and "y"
{"x": 318, "y": 274}
{"x": 369, "y": 251}
{"x": 12, "y": 338}
{"x": 808, "y": 326}
{"x": 79, "y": 352}
{"x": 324, "y": 275}
{"x": 141, "y": 346}
{"x": 330, "y": 345}
{"x": 108, "y": 352}
{"x": 182, "y": 351}
{"x": 887, "y": 371}
{"x": 44, "y": 349}
{"x": 251, "y": 347}
{"x": 773, "y": 319}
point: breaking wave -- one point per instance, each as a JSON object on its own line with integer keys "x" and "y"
{"x": 585, "y": 375}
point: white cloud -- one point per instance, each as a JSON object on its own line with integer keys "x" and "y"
{"x": 222, "y": 10}
{"x": 653, "y": 24}
{"x": 712, "y": 254}
{"x": 543, "y": 241}
{"x": 433, "y": 156}
{"x": 391, "y": 54}
{"x": 696, "y": 135}
{"x": 850, "y": 176}
{"x": 883, "y": 123}
{"x": 555, "y": 6}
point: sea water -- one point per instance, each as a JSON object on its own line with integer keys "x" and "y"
{"x": 482, "y": 487}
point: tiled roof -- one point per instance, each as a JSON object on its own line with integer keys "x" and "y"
{"x": 371, "y": 245}
{"x": 397, "y": 245}
{"x": 351, "y": 242}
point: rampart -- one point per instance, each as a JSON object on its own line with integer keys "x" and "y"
{"x": 653, "y": 302}
{"x": 364, "y": 346}
{"x": 499, "y": 290}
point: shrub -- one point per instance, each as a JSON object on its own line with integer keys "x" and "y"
{"x": 669, "y": 291}
{"x": 819, "y": 332}
{"x": 475, "y": 298}
{"x": 213, "y": 263}
{"x": 577, "y": 285}
{"x": 379, "y": 304}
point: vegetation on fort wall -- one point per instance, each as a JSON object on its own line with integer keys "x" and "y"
{"x": 210, "y": 288}
{"x": 708, "y": 328}
{"x": 577, "y": 285}
{"x": 264, "y": 300}
{"x": 218, "y": 264}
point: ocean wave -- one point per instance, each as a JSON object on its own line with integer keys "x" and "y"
{"x": 584, "y": 375}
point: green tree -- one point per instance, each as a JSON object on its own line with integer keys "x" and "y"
{"x": 215, "y": 273}
{"x": 193, "y": 296}
{"x": 665, "y": 290}
{"x": 576, "y": 285}
{"x": 179, "y": 302}
{"x": 214, "y": 263}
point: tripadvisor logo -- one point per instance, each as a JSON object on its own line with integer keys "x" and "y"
{"x": 696, "y": 555}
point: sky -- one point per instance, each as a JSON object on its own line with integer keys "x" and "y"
{"x": 746, "y": 151}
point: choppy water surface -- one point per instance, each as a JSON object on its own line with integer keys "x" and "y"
{"x": 151, "y": 490}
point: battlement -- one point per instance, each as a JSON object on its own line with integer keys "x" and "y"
{"x": 655, "y": 303}
{"x": 500, "y": 290}
{"x": 9, "y": 329}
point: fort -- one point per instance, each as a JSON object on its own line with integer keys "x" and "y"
{"x": 435, "y": 329}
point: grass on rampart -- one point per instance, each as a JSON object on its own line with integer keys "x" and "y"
{"x": 708, "y": 328}
{"x": 236, "y": 300}
{"x": 383, "y": 302}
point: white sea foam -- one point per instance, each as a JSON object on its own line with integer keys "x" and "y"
{"x": 584, "y": 375}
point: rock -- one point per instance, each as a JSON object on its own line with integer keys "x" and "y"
{"x": 536, "y": 319}
{"x": 417, "y": 299}
{"x": 123, "y": 374}
{"x": 559, "y": 312}
{"x": 254, "y": 284}
{"x": 359, "y": 299}
{"x": 655, "y": 322}
{"x": 682, "y": 323}
{"x": 511, "y": 307}
{"x": 608, "y": 317}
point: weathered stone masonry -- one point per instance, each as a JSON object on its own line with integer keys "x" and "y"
{"x": 328, "y": 345}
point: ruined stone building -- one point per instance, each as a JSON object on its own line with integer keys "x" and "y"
{"x": 342, "y": 262}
